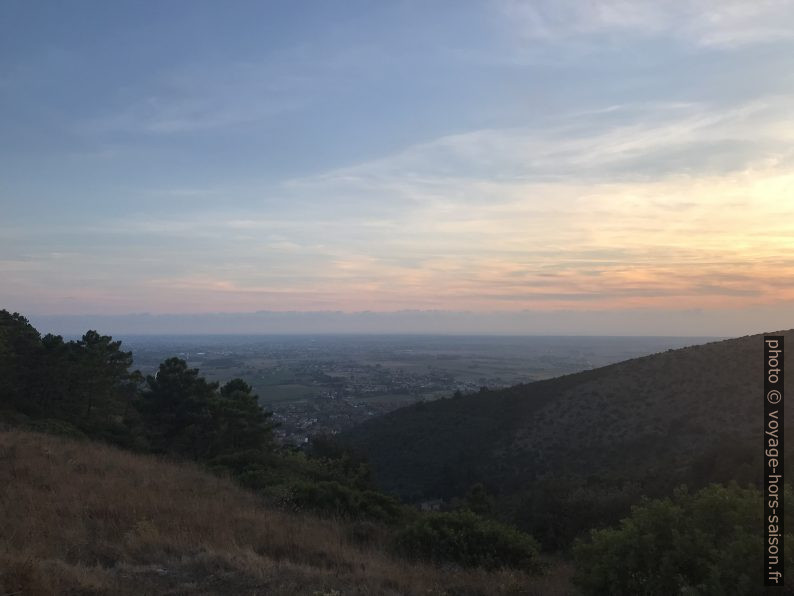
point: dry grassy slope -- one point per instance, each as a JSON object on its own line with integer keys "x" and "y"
{"x": 81, "y": 518}
{"x": 659, "y": 413}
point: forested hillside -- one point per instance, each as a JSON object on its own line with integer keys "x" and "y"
{"x": 570, "y": 453}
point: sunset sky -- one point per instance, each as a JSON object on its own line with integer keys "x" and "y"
{"x": 586, "y": 157}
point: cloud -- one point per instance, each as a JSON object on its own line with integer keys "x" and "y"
{"x": 708, "y": 23}
{"x": 200, "y": 105}
{"x": 625, "y": 142}
{"x": 584, "y": 211}
{"x": 540, "y": 246}
{"x": 646, "y": 160}
{"x": 223, "y": 95}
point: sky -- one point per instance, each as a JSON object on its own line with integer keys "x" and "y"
{"x": 557, "y": 166}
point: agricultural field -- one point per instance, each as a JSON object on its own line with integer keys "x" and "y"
{"x": 328, "y": 383}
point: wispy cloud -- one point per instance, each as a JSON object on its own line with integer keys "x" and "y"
{"x": 622, "y": 143}
{"x": 222, "y": 95}
{"x": 582, "y": 213}
{"x": 205, "y": 101}
{"x": 401, "y": 159}
{"x": 710, "y": 23}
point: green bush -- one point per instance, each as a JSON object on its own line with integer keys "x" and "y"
{"x": 468, "y": 540}
{"x": 558, "y": 509}
{"x": 705, "y": 543}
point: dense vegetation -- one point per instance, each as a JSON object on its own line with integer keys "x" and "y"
{"x": 85, "y": 389}
{"x": 561, "y": 460}
{"x": 561, "y": 456}
{"x": 467, "y": 539}
{"x": 703, "y": 543}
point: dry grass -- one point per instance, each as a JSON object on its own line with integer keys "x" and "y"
{"x": 81, "y": 518}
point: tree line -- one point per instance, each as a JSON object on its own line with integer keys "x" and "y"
{"x": 86, "y": 388}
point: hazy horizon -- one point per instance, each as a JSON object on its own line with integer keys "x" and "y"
{"x": 695, "y": 324}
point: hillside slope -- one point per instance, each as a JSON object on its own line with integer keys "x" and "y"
{"x": 690, "y": 415}
{"x": 82, "y": 518}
